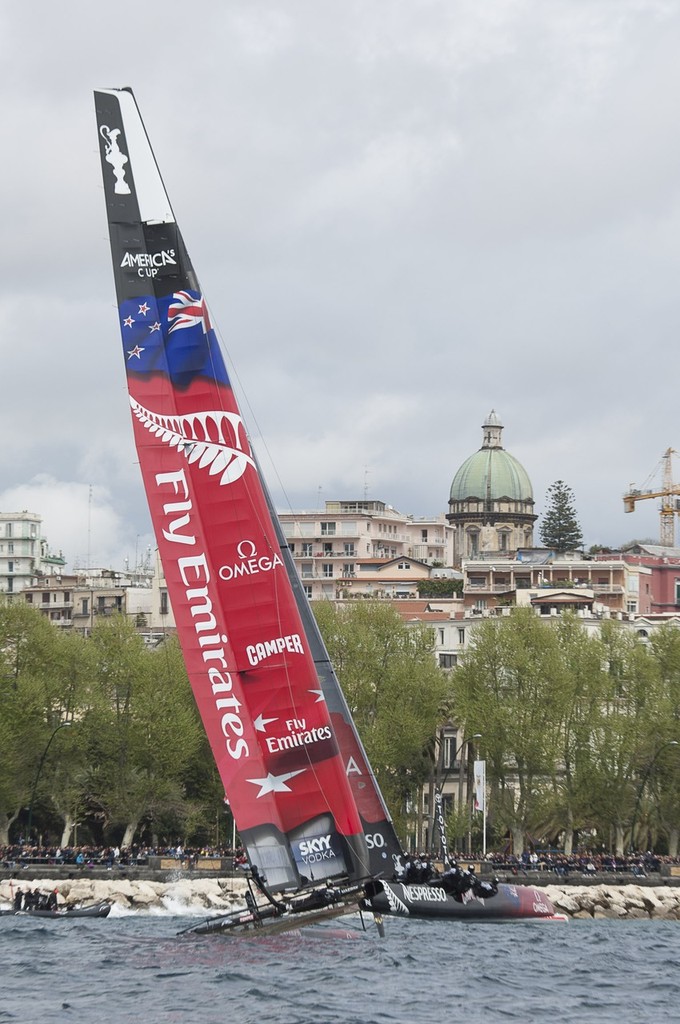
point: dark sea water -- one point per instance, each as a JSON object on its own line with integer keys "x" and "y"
{"x": 135, "y": 968}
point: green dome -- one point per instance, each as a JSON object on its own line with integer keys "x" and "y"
{"x": 492, "y": 473}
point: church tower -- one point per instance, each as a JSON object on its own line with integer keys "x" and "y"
{"x": 491, "y": 504}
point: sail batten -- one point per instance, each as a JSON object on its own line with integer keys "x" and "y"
{"x": 243, "y": 638}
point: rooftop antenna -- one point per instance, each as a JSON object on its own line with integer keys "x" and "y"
{"x": 89, "y": 527}
{"x": 318, "y": 498}
{"x": 366, "y": 472}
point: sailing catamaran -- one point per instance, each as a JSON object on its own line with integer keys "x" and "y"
{"x": 310, "y": 814}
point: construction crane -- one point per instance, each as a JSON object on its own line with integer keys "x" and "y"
{"x": 670, "y": 503}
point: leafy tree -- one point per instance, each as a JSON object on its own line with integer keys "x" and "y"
{"x": 664, "y": 768}
{"x": 580, "y": 704}
{"x": 559, "y": 528}
{"x": 624, "y": 731}
{"x": 31, "y": 705}
{"x": 394, "y": 689}
{"x": 511, "y": 689}
{"x": 143, "y": 729}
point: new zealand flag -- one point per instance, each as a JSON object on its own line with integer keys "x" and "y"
{"x": 171, "y": 335}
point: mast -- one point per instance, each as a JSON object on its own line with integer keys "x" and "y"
{"x": 243, "y": 638}
{"x": 383, "y": 844}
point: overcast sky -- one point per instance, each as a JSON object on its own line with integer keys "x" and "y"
{"x": 403, "y": 215}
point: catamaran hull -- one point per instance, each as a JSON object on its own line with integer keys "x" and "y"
{"x": 511, "y": 902}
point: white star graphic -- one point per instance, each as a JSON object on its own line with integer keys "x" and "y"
{"x": 128, "y": 321}
{"x": 260, "y": 723}
{"x": 136, "y": 351}
{"x": 154, "y": 327}
{"x": 144, "y": 309}
{"x": 275, "y": 783}
{"x": 319, "y": 696}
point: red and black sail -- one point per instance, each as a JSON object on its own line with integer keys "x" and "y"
{"x": 242, "y": 634}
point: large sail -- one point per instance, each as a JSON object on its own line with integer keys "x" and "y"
{"x": 243, "y": 638}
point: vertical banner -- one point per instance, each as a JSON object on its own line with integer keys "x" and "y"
{"x": 480, "y": 785}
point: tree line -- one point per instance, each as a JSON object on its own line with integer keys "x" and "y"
{"x": 580, "y": 732}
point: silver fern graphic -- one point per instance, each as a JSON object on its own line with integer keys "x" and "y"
{"x": 204, "y": 437}
{"x": 397, "y": 906}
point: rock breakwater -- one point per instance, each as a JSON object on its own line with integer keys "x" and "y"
{"x": 195, "y": 895}
{"x": 623, "y": 902}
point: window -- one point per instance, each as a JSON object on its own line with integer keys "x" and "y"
{"x": 10, "y": 548}
{"x": 29, "y": 598}
{"x": 677, "y": 591}
{"x": 85, "y": 605}
{"x": 423, "y": 536}
{"x": 46, "y": 598}
{"x": 348, "y": 569}
{"x": 631, "y": 607}
{"x": 328, "y": 549}
{"x": 448, "y": 660}
{"x": 328, "y": 529}
{"x": 8, "y": 530}
{"x": 308, "y": 590}
{"x": 473, "y": 544}
{"x": 306, "y": 570}
{"x": 461, "y": 636}
{"x": 291, "y": 548}
{"x": 165, "y": 604}
{"x": 327, "y": 569}
{"x": 449, "y": 748}
{"x": 306, "y": 550}
{"x": 404, "y": 565}
{"x": 10, "y": 567}
{"x": 349, "y": 549}
{"x": 441, "y": 636}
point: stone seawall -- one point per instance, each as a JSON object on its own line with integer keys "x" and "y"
{"x": 197, "y": 894}
{"x": 625, "y": 902}
{"x": 621, "y": 902}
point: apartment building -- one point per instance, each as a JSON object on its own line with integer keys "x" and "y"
{"x": 365, "y": 548}
{"x": 24, "y": 552}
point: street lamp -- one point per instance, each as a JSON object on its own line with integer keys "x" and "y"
{"x": 62, "y": 725}
{"x": 438, "y": 802}
{"x": 648, "y": 771}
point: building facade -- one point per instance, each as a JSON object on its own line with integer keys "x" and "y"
{"x": 364, "y": 548}
{"x": 79, "y": 601}
{"x": 24, "y": 552}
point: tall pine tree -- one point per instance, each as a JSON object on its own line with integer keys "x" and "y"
{"x": 560, "y": 529}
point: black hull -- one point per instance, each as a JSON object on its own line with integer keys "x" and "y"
{"x": 95, "y": 910}
{"x": 511, "y": 903}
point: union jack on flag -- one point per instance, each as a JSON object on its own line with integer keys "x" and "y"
{"x": 187, "y": 311}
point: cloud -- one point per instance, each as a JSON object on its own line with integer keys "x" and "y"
{"x": 402, "y": 213}
{"x": 80, "y": 523}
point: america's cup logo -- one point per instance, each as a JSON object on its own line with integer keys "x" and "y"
{"x": 114, "y": 156}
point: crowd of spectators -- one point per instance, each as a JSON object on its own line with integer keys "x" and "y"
{"x": 23, "y": 854}
{"x": 585, "y": 863}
